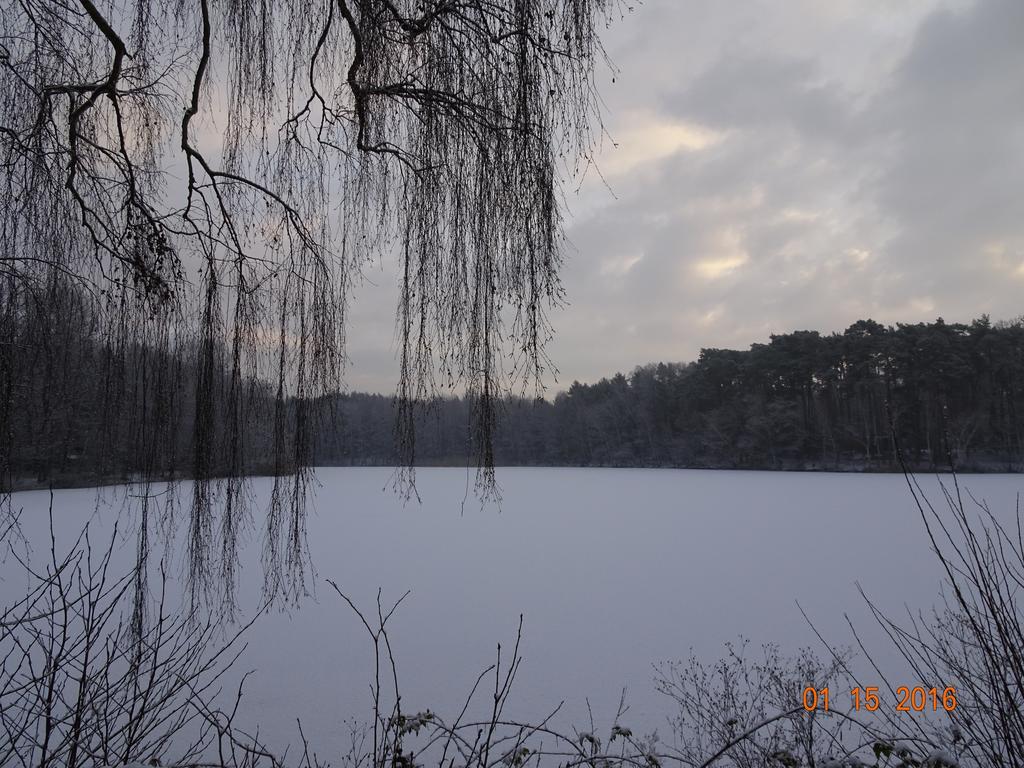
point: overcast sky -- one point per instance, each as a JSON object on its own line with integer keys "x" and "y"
{"x": 779, "y": 166}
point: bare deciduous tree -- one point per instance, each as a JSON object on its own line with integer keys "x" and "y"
{"x": 78, "y": 687}
{"x": 213, "y": 175}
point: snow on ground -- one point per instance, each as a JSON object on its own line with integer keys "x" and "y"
{"x": 613, "y": 570}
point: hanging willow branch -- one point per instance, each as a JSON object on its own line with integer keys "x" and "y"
{"x": 191, "y": 189}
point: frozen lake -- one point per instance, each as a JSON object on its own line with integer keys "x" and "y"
{"x": 613, "y": 571}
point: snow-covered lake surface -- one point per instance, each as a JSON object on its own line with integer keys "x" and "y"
{"x": 613, "y": 571}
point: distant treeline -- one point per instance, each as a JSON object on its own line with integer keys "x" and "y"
{"x": 89, "y": 397}
{"x": 84, "y": 403}
{"x": 802, "y": 401}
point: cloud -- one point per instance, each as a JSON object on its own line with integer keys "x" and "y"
{"x": 764, "y": 92}
{"x": 953, "y": 117}
{"x": 648, "y": 137}
{"x": 855, "y": 169}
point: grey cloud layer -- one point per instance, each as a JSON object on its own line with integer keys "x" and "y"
{"x": 860, "y": 165}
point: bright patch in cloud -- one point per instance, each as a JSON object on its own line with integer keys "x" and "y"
{"x": 1005, "y": 257}
{"x": 729, "y": 255}
{"x": 719, "y": 267}
{"x": 742, "y": 201}
{"x": 646, "y": 137}
{"x": 617, "y": 267}
{"x": 711, "y": 316}
{"x": 798, "y": 215}
{"x": 923, "y": 305}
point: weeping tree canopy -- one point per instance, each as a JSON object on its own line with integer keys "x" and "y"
{"x": 192, "y": 188}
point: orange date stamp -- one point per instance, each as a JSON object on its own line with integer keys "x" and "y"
{"x": 909, "y": 699}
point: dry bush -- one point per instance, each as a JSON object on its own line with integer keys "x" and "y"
{"x": 746, "y": 713}
{"x": 752, "y": 705}
{"x": 83, "y": 685}
{"x": 398, "y": 739}
{"x": 974, "y": 639}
